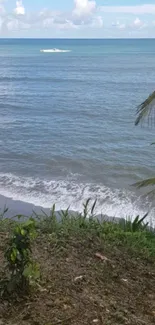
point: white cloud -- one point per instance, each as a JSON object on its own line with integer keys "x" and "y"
{"x": 83, "y": 20}
{"x": 15, "y": 25}
{"x": 97, "y": 22}
{"x": 119, "y": 25}
{"x": 66, "y": 26}
{"x": 1, "y": 23}
{"x": 58, "y": 23}
{"x": 83, "y": 14}
{"x": 48, "y": 22}
{"x": 2, "y": 9}
{"x": 20, "y": 9}
{"x": 137, "y": 10}
{"x": 122, "y": 26}
{"x": 138, "y": 23}
{"x": 84, "y": 8}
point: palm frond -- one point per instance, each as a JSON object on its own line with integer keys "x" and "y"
{"x": 150, "y": 194}
{"x": 146, "y": 109}
{"x": 145, "y": 183}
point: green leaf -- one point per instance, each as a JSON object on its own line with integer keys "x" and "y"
{"x": 145, "y": 183}
{"x": 53, "y": 210}
{"x": 146, "y": 109}
{"x": 32, "y": 271}
{"x": 64, "y": 213}
{"x": 29, "y": 223}
{"x": 17, "y": 230}
{"x": 14, "y": 255}
{"x": 85, "y": 210}
{"x": 28, "y": 271}
{"x": 138, "y": 224}
{"x": 142, "y": 219}
{"x": 23, "y": 232}
{"x": 19, "y": 216}
{"x": 136, "y": 220}
{"x": 93, "y": 206}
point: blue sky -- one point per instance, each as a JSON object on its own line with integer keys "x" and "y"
{"x": 77, "y": 18}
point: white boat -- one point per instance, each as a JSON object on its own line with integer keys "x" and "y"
{"x": 54, "y": 50}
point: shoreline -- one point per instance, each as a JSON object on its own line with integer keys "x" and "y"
{"x": 16, "y": 207}
{"x": 25, "y": 209}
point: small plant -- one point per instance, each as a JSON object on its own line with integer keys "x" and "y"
{"x": 23, "y": 270}
{"x": 5, "y": 223}
{"x": 88, "y": 212}
{"x": 136, "y": 225}
{"x": 47, "y": 223}
{"x": 2, "y": 214}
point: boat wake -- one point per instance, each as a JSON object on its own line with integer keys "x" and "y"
{"x": 54, "y": 51}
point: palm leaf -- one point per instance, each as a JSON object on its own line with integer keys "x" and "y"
{"x": 145, "y": 183}
{"x": 146, "y": 109}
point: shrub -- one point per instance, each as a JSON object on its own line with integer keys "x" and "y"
{"x": 23, "y": 270}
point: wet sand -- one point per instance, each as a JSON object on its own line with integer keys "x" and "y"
{"x": 18, "y": 207}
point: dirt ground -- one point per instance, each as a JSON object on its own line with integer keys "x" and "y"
{"x": 85, "y": 281}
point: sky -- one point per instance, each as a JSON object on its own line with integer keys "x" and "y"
{"x": 77, "y": 18}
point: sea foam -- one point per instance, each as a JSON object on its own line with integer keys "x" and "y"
{"x": 70, "y": 193}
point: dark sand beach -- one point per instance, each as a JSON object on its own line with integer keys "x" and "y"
{"x": 18, "y": 207}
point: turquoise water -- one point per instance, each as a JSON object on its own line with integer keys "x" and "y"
{"x": 67, "y": 123}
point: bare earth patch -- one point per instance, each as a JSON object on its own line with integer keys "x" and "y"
{"x": 85, "y": 280}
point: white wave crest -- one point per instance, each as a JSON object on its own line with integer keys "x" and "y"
{"x": 54, "y": 51}
{"x": 69, "y": 193}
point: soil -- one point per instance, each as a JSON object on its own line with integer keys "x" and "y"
{"x": 84, "y": 281}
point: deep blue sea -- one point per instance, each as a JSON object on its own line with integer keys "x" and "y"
{"x": 67, "y": 123}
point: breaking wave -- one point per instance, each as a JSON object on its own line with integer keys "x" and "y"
{"x": 68, "y": 193}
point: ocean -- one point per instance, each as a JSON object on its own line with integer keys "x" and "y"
{"x": 67, "y": 123}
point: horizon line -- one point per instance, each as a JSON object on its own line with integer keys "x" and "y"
{"x": 81, "y": 38}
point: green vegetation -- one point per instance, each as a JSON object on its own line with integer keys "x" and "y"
{"x": 76, "y": 270}
{"x": 22, "y": 269}
{"x": 146, "y": 111}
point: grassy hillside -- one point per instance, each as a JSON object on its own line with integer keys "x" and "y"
{"x": 90, "y": 273}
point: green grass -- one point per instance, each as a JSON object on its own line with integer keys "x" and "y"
{"x": 139, "y": 241}
{"x": 134, "y": 235}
